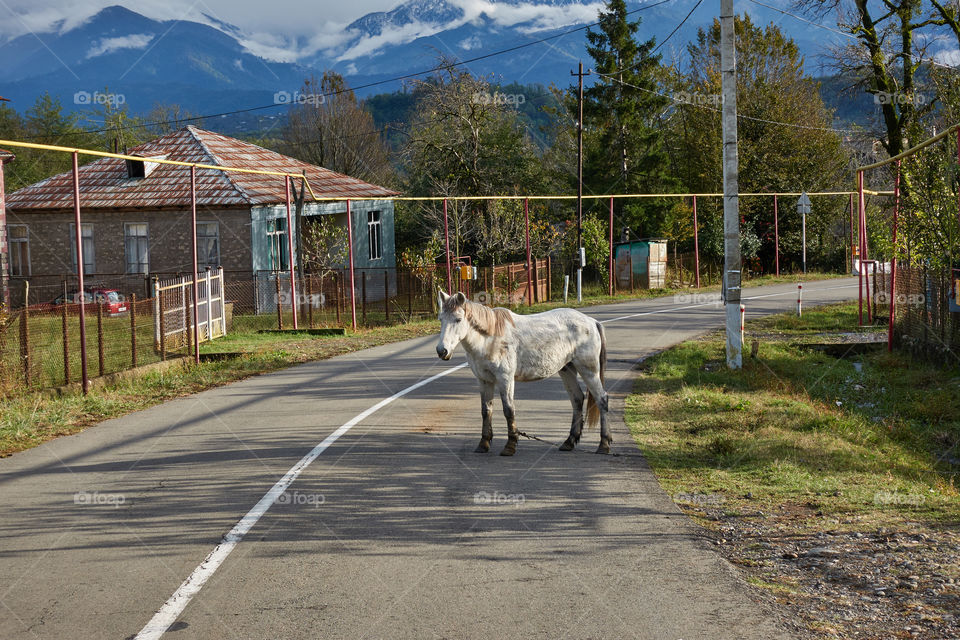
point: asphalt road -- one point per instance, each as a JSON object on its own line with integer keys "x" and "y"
{"x": 395, "y": 530}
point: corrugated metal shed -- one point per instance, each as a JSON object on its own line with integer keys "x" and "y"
{"x": 104, "y": 183}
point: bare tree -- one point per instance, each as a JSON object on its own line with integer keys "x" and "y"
{"x": 890, "y": 50}
{"x": 327, "y": 126}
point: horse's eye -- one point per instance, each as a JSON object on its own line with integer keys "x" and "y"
{"x": 459, "y": 319}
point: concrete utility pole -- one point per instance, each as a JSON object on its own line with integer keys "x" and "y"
{"x": 580, "y": 253}
{"x": 803, "y": 208}
{"x": 731, "y": 208}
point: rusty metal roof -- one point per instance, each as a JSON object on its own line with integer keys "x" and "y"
{"x": 104, "y": 183}
{"x": 6, "y": 156}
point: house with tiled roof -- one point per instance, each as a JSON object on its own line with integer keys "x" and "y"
{"x": 136, "y": 215}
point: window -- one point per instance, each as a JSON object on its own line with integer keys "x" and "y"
{"x": 136, "y": 248}
{"x": 86, "y": 237}
{"x": 208, "y": 245}
{"x": 19, "y": 240}
{"x": 277, "y": 237}
{"x": 374, "y": 238}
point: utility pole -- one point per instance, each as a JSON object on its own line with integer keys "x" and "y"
{"x": 731, "y": 206}
{"x": 580, "y": 253}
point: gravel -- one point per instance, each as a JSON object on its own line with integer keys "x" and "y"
{"x": 829, "y": 578}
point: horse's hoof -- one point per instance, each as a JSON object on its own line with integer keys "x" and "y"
{"x": 483, "y": 447}
{"x": 604, "y": 447}
{"x": 509, "y": 450}
{"x": 567, "y": 445}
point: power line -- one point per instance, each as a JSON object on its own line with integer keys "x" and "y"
{"x": 368, "y": 85}
{"x": 663, "y": 42}
{"x": 739, "y": 116}
{"x": 677, "y": 28}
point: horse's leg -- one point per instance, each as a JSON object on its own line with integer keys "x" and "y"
{"x": 595, "y": 388}
{"x": 569, "y": 376}
{"x": 506, "y": 398}
{"x": 486, "y": 410}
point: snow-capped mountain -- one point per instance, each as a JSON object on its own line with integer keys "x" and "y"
{"x": 208, "y": 65}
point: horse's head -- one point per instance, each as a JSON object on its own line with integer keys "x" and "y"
{"x": 453, "y": 324}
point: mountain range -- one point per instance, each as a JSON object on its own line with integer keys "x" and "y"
{"x": 207, "y": 66}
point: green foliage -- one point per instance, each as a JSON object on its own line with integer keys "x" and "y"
{"x": 624, "y": 150}
{"x": 771, "y": 87}
{"x": 324, "y": 244}
{"x": 595, "y": 242}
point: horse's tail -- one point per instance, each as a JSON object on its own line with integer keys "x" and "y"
{"x": 593, "y": 408}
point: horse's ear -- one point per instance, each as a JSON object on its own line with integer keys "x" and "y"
{"x": 441, "y": 296}
{"x": 461, "y": 299}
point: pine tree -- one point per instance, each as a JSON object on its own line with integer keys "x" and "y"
{"x": 621, "y": 112}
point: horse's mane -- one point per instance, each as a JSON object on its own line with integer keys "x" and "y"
{"x": 488, "y": 321}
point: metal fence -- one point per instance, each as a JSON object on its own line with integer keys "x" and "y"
{"x": 40, "y": 344}
{"x": 927, "y": 316}
{"x": 263, "y": 300}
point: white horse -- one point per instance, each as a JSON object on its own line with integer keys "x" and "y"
{"x": 503, "y": 347}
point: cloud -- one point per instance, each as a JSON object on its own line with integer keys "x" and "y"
{"x": 536, "y": 17}
{"x": 531, "y": 16}
{"x": 109, "y": 45}
{"x": 948, "y": 56}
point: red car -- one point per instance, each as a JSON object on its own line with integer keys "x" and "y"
{"x": 114, "y": 304}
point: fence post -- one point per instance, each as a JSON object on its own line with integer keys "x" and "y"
{"x": 536, "y": 282}
{"x": 409, "y": 295}
{"x": 696, "y": 243}
{"x": 163, "y": 330}
{"x": 630, "y": 253}
{"x": 66, "y": 337}
{"x": 25, "y": 334}
{"x": 363, "y": 295}
{"x": 133, "y": 330}
{"x": 156, "y": 311}
{"x": 386, "y": 295}
{"x": 279, "y": 303}
{"x": 308, "y": 283}
{"x": 100, "y": 338}
{"x": 433, "y": 296}
{"x": 338, "y": 292}
{"x": 188, "y": 312}
{"x": 610, "y": 251}
{"x": 209, "y": 305}
{"x": 549, "y": 280}
{"x": 509, "y": 285}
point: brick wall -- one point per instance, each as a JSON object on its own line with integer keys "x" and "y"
{"x": 169, "y": 239}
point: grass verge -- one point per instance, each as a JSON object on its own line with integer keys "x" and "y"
{"x": 30, "y": 419}
{"x": 874, "y": 435}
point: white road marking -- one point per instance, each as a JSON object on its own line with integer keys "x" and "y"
{"x": 172, "y": 608}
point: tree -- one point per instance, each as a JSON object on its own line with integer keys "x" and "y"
{"x": 166, "y": 118}
{"x": 625, "y": 152}
{"x": 44, "y": 122}
{"x": 889, "y": 56}
{"x": 785, "y": 140}
{"x": 466, "y": 141}
{"x": 327, "y": 126}
{"x": 323, "y": 244}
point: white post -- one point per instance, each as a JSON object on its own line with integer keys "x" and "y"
{"x": 209, "y": 308}
{"x": 799, "y": 300}
{"x": 743, "y": 311}
{"x": 731, "y": 208}
{"x": 566, "y": 287}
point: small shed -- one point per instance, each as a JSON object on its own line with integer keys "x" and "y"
{"x": 641, "y": 263}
